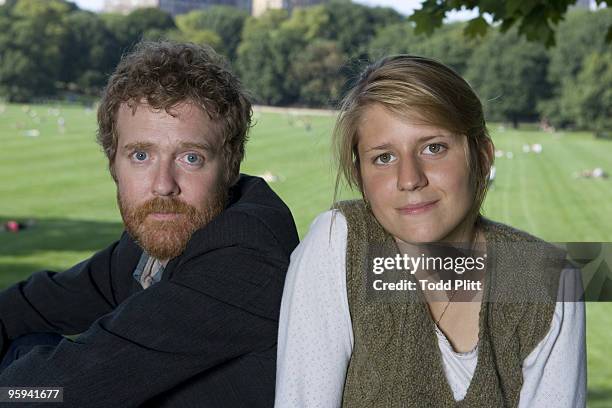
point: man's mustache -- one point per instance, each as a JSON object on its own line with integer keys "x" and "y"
{"x": 159, "y": 205}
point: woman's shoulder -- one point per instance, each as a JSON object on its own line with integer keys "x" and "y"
{"x": 352, "y": 210}
{"x": 332, "y": 221}
{"x": 327, "y": 233}
{"x": 318, "y": 261}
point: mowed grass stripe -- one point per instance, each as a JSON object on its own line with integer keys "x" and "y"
{"x": 505, "y": 185}
{"x": 551, "y": 190}
{"x": 72, "y": 149}
{"x": 599, "y": 321}
{"x": 59, "y": 182}
{"x": 288, "y": 150}
{"x": 549, "y": 198}
{"x": 592, "y": 194}
{"x": 584, "y": 223}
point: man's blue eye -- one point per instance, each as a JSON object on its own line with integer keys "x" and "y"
{"x": 193, "y": 158}
{"x": 140, "y": 156}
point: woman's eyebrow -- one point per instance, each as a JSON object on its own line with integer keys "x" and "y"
{"x": 429, "y": 137}
{"x": 380, "y": 147}
{"x": 386, "y": 146}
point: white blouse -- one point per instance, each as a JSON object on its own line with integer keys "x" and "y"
{"x": 316, "y": 337}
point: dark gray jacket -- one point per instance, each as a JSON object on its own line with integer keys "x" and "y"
{"x": 204, "y": 336}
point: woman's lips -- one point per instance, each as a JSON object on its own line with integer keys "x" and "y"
{"x": 418, "y": 208}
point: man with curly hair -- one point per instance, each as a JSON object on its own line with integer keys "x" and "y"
{"x": 183, "y": 309}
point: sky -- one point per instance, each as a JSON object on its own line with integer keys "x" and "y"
{"x": 404, "y": 6}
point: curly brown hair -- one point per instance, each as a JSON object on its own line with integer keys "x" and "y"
{"x": 164, "y": 74}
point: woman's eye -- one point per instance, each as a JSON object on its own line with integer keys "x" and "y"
{"x": 434, "y": 148}
{"x": 140, "y": 156}
{"x": 192, "y": 158}
{"x": 384, "y": 158}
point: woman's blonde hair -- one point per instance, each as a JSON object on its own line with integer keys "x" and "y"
{"x": 419, "y": 89}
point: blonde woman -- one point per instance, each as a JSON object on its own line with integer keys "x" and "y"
{"x": 411, "y": 137}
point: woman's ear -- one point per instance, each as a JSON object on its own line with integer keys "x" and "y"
{"x": 357, "y": 173}
{"x": 489, "y": 152}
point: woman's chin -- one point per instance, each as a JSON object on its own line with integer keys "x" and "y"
{"x": 419, "y": 237}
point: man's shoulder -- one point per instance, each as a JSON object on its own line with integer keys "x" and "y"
{"x": 240, "y": 258}
{"x": 253, "y": 197}
{"x": 255, "y": 217}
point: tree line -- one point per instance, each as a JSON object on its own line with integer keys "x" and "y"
{"x": 52, "y": 49}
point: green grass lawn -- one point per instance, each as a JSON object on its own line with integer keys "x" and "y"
{"x": 59, "y": 179}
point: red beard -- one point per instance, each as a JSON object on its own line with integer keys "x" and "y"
{"x": 167, "y": 239}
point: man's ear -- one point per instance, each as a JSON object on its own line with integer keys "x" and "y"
{"x": 111, "y": 169}
{"x": 229, "y": 181}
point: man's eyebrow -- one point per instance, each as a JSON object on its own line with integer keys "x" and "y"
{"x": 184, "y": 145}
{"x": 200, "y": 146}
{"x": 138, "y": 146}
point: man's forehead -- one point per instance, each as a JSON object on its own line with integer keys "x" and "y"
{"x": 182, "y": 108}
{"x": 186, "y": 117}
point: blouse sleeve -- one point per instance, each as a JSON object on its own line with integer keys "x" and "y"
{"x": 554, "y": 373}
{"x": 315, "y": 333}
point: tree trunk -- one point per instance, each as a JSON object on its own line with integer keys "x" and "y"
{"x": 515, "y": 122}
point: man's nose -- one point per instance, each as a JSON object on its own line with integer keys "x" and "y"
{"x": 165, "y": 183}
{"x": 411, "y": 175}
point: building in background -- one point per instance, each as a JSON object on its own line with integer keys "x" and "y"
{"x": 172, "y": 7}
{"x": 260, "y": 6}
{"x": 125, "y": 6}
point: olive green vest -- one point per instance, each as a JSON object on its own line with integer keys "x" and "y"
{"x": 396, "y": 360}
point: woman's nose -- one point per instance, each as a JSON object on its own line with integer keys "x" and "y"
{"x": 411, "y": 175}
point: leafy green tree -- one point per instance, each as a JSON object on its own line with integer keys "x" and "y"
{"x": 577, "y": 38}
{"x": 585, "y": 101}
{"x": 264, "y": 57}
{"x": 317, "y": 70}
{"x": 310, "y": 21}
{"x": 352, "y": 25}
{"x": 224, "y": 21}
{"x": 276, "y": 46}
{"x": 31, "y": 43}
{"x": 535, "y": 20}
{"x": 398, "y": 38}
{"x": 89, "y": 52}
{"x": 509, "y": 75}
{"x": 206, "y": 37}
{"x": 448, "y": 45}
{"x": 593, "y": 99}
{"x": 144, "y": 23}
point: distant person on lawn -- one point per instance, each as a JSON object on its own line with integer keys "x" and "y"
{"x": 183, "y": 310}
